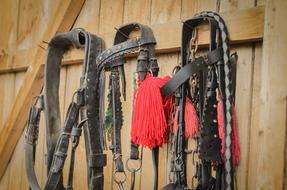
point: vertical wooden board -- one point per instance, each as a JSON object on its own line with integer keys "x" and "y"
{"x": 16, "y": 164}
{"x": 8, "y": 23}
{"x": 163, "y": 11}
{"x": 243, "y": 108}
{"x": 19, "y": 79}
{"x": 137, "y": 11}
{"x": 89, "y": 17}
{"x": 190, "y": 7}
{"x": 4, "y": 181}
{"x": 260, "y": 2}
{"x": 147, "y": 173}
{"x": 29, "y": 19}
{"x": 232, "y": 5}
{"x": 111, "y": 15}
{"x": 256, "y": 130}
{"x": 24, "y": 180}
{"x": 8, "y": 82}
{"x": 80, "y": 171}
{"x": 272, "y": 105}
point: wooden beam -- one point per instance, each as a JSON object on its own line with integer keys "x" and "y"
{"x": 168, "y": 35}
{"x": 266, "y": 167}
{"x": 63, "y": 20}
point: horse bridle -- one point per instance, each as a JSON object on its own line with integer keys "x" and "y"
{"x": 83, "y": 107}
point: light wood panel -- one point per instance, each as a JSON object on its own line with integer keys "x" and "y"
{"x": 252, "y": 19}
{"x": 33, "y": 81}
{"x": 137, "y": 11}
{"x": 8, "y": 30}
{"x": 271, "y": 102}
{"x": 255, "y": 98}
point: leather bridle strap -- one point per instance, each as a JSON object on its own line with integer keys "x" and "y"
{"x": 31, "y": 138}
{"x": 57, "y": 47}
{"x": 87, "y": 98}
{"x": 113, "y": 60}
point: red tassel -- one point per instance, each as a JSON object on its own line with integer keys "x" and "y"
{"x": 190, "y": 119}
{"x": 235, "y": 141}
{"x": 151, "y": 110}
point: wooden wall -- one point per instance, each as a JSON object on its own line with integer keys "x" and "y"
{"x": 24, "y": 30}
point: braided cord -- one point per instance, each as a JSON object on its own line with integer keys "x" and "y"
{"x": 228, "y": 94}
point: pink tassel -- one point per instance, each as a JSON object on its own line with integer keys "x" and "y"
{"x": 190, "y": 119}
{"x": 151, "y": 110}
{"x": 235, "y": 141}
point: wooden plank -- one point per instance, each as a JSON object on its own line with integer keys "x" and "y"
{"x": 163, "y": 11}
{"x": 191, "y": 7}
{"x": 252, "y": 19}
{"x": 4, "y": 182}
{"x": 28, "y": 20}
{"x": 13, "y": 127}
{"x": 16, "y": 164}
{"x": 111, "y": 16}
{"x": 137, "y": 11}
{"x": 256, "y": 130}
{"x": 89, "y": 18}
{"x": 272, "y": 102}
{"x": 8, "y": 31}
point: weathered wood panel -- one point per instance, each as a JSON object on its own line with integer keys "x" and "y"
{"x": 100, "y": 17}
{"x": 271, "y": 103}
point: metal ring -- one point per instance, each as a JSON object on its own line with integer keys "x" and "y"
{"x": 117, "y": 179}
{"x": 133, "y": 169}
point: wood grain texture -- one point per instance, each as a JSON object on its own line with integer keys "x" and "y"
{"x": 261, "y": 128}
{"x": 8, "y": 31}
{"x": 252, "y": 19}
{"x": 137, "y": 11}
{"x": 32, "y": 84}
{"x": 164, "y": 11}
{"x": 272, "y": 105}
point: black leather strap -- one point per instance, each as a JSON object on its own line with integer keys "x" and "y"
{"x": 60, "y": 154}
{"x": 31, "y": 138}
{"x": 215, "y": 56}
{"x": 182, "y": 76}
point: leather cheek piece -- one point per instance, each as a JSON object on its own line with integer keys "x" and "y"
{"x": 98, "y": 160}
{"x": 71, "y": 117}
{"x": 215, "y": 56}
{"x": 134, "y": 155}
{"x": 182, "y": 76}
